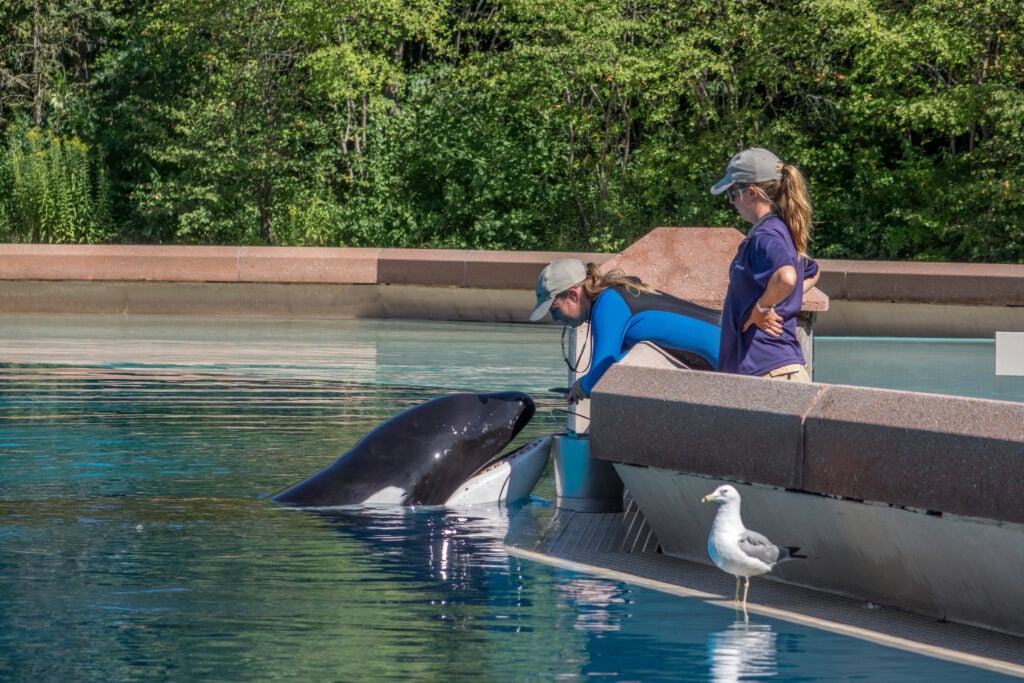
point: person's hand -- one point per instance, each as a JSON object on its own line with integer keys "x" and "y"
{"x": 576, "y": 393}
{"x": 770, "y": 322}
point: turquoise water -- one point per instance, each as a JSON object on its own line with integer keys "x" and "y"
{"x": 959, "y": 367}
{"x": 137, "y": 541}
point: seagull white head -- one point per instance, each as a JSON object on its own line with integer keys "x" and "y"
{"x": 722, "y": 495}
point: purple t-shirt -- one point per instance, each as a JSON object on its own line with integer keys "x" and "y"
{"x": 767, "y": 248}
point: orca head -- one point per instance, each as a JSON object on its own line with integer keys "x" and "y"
{"x": 526, "y": 407}
{"x": 480, "y": 426}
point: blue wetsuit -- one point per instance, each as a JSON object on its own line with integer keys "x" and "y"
{"x": 767, "y": 248}
{"x": 620, "y": 319}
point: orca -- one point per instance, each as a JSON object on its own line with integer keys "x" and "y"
{"x": 439, "y": 450}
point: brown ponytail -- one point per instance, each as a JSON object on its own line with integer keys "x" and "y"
{"x": 793, "y": 204}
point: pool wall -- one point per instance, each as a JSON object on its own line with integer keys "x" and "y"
{"x": 867, "y": 298}
{"x": 271, "y": 281}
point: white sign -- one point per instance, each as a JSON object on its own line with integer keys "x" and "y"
{"x": 1010, "y": 353}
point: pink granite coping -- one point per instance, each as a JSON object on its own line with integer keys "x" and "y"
{"x": 426, "y": 267}
{"x": 940, "y": 283}
{"x": 709, "y": 423}
{"x": 944, "y": 454}
{"x": 689, "y": 262}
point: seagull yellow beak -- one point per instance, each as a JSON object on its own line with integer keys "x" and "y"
{"x": 708, "y": 497}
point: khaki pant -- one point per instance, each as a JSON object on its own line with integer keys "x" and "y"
{"x": 795, "y": 372}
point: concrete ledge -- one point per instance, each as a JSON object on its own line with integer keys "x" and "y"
{"x": 730, "y": 426}
{"x": 272, "y": 281}
{"x": 902, "y": 499}
{"x": 869, "y": 298}
{"x": 270, "y": 299}
{"x": 945, "y": 454}
{"x": 956, "y": 455}
{"x": 283, "y": 265}
{"x": 946, "y": 283}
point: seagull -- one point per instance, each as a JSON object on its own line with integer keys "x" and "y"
{"x": 735, "y": 549}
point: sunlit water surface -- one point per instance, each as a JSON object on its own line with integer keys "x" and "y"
{"x": 958, "y": 367}
{"x": 137, "y": 541}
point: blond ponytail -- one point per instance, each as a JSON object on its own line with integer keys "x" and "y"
{"x": 597, "y": 283}
{"x": 790, "y": 200}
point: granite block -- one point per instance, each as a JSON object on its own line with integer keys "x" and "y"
{"x": 320, "y": 265}
{"x": 118, "y": 262}
{"x": 939, "y": 453}
{"x": 947, "y": 283}
{"x": 709, "y": 423}
{"x": 692, "y": 264}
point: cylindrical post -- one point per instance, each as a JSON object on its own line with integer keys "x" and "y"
{"x": 582, "y": 483}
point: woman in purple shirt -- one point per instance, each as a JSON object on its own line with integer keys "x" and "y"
{"x": 771, "y": 271}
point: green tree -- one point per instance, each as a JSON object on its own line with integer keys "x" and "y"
{"x": 236, "y": 145}
{"x": 46, "y": 51}
{"x": 548, "y": 124}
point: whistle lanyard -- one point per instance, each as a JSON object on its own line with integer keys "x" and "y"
{"x": 575, "y": 366}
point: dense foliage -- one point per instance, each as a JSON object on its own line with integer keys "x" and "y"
{"x": 514, "y": 124}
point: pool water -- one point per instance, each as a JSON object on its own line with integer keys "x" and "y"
{"x": 958, "y": 367}
{"x": 138, "y": 542}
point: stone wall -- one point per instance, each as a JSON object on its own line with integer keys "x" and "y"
{"x": 941, "y": 454}
{"x": 859, "y": 297}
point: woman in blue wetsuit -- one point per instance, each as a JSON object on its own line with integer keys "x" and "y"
{"x": 623, "y": 311}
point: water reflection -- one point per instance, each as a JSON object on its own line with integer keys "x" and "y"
{"x": 411, "y": 353}
{"x": 451, "y": 546}
{"x": 596, "y": 602}
{"x": 741, "y": 652}
{"x": 968, "y": 365}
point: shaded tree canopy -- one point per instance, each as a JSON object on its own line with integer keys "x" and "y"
{"x": 549, "y": 124}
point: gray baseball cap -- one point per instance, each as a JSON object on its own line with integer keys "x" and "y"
{"x": 558, "y": 277}
{"x": 754, "y": 165}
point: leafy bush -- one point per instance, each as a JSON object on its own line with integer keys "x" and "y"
{"x": 51, "y": 190}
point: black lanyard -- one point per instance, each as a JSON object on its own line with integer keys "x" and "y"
{"x": 575, "y": 367}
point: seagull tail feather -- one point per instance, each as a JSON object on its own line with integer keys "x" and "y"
{"x": 790, "y": 552}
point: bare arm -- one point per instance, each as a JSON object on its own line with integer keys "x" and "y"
{"x": 809, "y": 282}
{"x": 780, "y": 284}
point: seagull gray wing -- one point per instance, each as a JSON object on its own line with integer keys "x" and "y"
{"x": 758, "y": 547}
